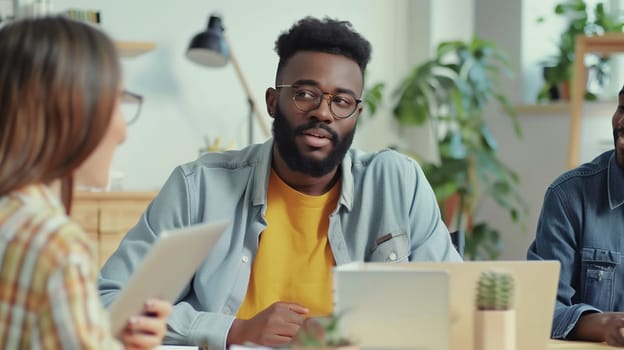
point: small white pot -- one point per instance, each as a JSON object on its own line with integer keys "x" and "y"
{"x": 495, "y": 330}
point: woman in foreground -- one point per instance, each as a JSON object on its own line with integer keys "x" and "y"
{"x": 60, "y": 122}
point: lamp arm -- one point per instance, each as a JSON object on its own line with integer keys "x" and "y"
{"x": 252, "y": 102}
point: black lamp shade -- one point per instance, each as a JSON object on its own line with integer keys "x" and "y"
{"x": 210, "y": 48}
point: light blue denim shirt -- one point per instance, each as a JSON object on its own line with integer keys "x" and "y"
{"x": 387, "y": 211}
{"x": 582, "y": 225}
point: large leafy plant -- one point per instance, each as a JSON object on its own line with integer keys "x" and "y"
{"x": 452, "y": 91}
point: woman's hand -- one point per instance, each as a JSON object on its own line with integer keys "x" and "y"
{"x": 147, "y": 330}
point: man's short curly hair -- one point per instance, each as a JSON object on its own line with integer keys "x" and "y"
{"x": 326, "y": 35}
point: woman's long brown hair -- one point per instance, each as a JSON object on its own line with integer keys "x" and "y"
{"x": 59, "y": 81}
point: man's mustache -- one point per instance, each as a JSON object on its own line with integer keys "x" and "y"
{"x": 316, "y": 125}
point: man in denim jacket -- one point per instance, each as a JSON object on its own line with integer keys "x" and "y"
{"x": 580, "y": 225}
{"x": 300, "y": 204}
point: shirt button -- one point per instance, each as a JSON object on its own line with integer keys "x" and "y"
{"x": 227, "y": 311}
{"x": 245, "y": 259}
{"x": 392, "y": 256}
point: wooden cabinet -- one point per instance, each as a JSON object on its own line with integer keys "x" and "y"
{"x": 108, "y": 216}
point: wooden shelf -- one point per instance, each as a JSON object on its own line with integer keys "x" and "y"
{"x": 543, "y": 108}
{"x": 114, "y": 195}
{"x": 134, "y": 48}
{"x": 560, "y": 108}
{"x": 605, "y": 44}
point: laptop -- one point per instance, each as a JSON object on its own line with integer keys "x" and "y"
{"x": 166, "y": 269}
{"x": 535, "y": 294}
{"x": 385, "y": 307}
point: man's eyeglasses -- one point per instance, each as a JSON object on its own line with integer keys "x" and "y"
{"x": 309, "y": 97}
{"x": 131, "y": 104}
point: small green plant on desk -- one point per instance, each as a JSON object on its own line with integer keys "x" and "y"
{"x": 495, "y": 317}
{"x": 322, "y": 333}
{"x": 495, "y": 291}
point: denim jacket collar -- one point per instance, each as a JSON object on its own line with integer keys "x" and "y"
{"x": 616, "y": 183}
{"x": 261, "y": 173}
{"x": 263, "y": 168}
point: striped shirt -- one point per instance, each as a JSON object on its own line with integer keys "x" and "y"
{"x": 48, "y": 296}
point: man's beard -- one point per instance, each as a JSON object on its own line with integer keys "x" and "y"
{"x": 616, "y": 133}
{"x": 284, "y": 135}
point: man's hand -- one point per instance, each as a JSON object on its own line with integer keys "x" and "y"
{"x": 147, "y": 331}
{"x": 605, "y": 327}
{"x": 274, "y": 326}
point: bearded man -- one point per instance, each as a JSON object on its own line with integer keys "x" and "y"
{"x": 300, "y": 204}
{"x": 579, "y": 225}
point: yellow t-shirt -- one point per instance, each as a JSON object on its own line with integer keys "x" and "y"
{"x": 294, "y": 260}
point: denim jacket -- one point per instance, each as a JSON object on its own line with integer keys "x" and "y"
{"x": 580, "y": 225}
{"x": 386, "y": 211}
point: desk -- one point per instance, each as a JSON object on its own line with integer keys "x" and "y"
{"x": 578, "y": 345}
{"x": 552, "y": 345}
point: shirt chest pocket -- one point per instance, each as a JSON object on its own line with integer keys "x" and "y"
{"x": 598, "y": 274}
{"x": 392, "y": 247}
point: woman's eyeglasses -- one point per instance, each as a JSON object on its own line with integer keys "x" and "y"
{"x": 131, "y": 104}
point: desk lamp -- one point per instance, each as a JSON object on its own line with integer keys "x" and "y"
{"x": 211, "y": 48}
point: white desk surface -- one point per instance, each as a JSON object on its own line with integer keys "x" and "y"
{"x": 552, "y": 345}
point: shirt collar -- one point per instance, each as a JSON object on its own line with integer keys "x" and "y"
{"x": 346, "y": 194}
{"x": 616, "y": 183}
{"x": 262, "y": 171}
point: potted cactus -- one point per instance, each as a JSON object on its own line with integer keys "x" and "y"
{"x": 495, "y": 317}
{"x": 322, "y": 333}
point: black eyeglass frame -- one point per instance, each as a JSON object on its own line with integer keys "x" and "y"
{"x": 134, "y": 98}
{"x": 323, "y": 93}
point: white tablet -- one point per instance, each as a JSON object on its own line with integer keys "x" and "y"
{"x": 165, "y": 270}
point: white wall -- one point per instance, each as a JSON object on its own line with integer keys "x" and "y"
{"x": 185, "y": 102}
{"x": 452, "y": 20}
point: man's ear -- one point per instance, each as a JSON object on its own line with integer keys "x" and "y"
{"x": 359, "y": 110}
{"x": 270, "y": 97}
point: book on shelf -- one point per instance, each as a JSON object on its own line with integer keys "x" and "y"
{"x": 91, "y": 16}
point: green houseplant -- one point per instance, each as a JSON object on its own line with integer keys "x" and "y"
{"x": 582, "y": 20}
{"x": 452, "y": 90}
